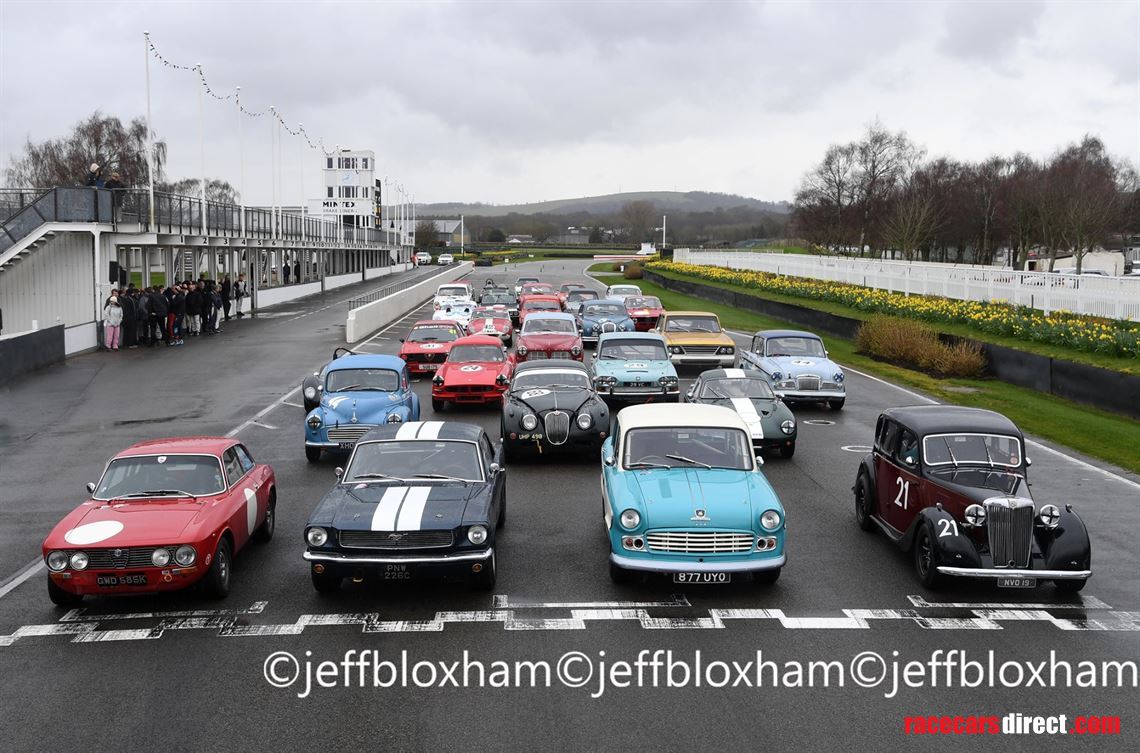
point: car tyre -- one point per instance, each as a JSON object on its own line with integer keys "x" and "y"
{"x": 621, "y": 575}
{"x": 788, "y": 450}
{"x": 766, "y": 577}
{"x": 312, "y": 454}
{"x": 1070, "y": 586}
{"x": 485, "y": 579}
{"x": 862, "y": 503}
{"x": 326, "y": 583}
{"x": 438, "y": 405}
{"x": 61, "y": 597}
{"x": 926, "y": 558}
{"x": 836, "y": 404}
{"x": 217, "y": 580}
{"x": 264, "y": 532}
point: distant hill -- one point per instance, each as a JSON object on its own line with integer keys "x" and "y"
{"x": 666, "y": 201}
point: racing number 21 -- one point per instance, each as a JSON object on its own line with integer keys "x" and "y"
{"x": 903, "y": 497}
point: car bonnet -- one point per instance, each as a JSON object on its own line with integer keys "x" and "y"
{"x": 671, "y": 498}
{"x": 399, "y": 507}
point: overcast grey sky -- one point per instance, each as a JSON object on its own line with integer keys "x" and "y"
{"x": 509, "y": 102}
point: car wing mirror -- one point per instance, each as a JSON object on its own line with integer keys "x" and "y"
{"x": 90, "y": 487}
{"x": 401, "y": 339}
{"x": 759, "y": 460}
{"x": 339, "y": 472}
{"x": 910, "y": 461}
{"x": 608, "y": 460}
{"x": 594, "y": 356}
{"x": 494, "y": 468}
{"x": 1028, "y": 462}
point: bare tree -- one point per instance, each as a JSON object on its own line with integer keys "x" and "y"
{"x": 99, "y": 139}
{"x": 217, "y": 190}
{"x": 427, "y": 235}
{"x": 638, "y": 219}
{"x": 881, "y": 159}
{"x": 915, "y": 218}
{"x": 829, "y": 191}
{"x": 1020, "y": 190}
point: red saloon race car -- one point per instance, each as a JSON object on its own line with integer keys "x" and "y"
{"x": 167, "y": 513}
{"x": 531, "y": 303}
{"x": 493, "y": 321}
{"x": 537, "y": 288}
{"x": 478, "y": 370}
{"x": 564, "y": 290}
{"x": 644, "y": 310}
{"x": 549, "y": 335}
{"x": 426, "y": 345}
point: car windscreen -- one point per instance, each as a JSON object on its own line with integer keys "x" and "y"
{"x": 489, "y": 314}
{"x": 692, "y": 324}
{"x": 729, "y": 388}
{"x": 604, "y": 309}
{"x": 956, "y": 449}
{"x": 535, "y": 324}
{"x": 524, "y": 280}
{"x": 567, "y": 287}
{"x": 625, "y": 290}
{"x": 198, "y": 475}
{"x": 794, "y": 346}
{"x": 539, "y": 378}
{"x": 432, "y": 334}
{"x": 581, "y": 295}
{"x": 541, "y": 306}
{"x": 352, "y": 380}
{"x": 632, "y": 350}
{"x": 457, "y": 291}
{"x": 407, "y": 458}
{"x": 504, "y": 299}
{"x": 476, "y": 354}
{"x": 690, "y": 447}
{"x": 642, "y": 302}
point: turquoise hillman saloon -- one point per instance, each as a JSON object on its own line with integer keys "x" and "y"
{"x": 358, "y": 393}
{"x": 682, "y": 493}
{"x": 634, "y": 367}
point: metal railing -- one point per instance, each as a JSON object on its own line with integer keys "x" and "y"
{"x": 387, "y": 290}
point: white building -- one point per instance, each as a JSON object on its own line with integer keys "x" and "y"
{"x": 348, "y": 186}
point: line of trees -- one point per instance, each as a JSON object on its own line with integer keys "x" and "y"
{"x": 882, "y": 194}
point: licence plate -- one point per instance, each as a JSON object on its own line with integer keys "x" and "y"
{"x": 702, "y": 577}
{"x": 130, "y": 579}
{"x": 347, "y": 445}
{"x": 1017, "y": 583}
{"x": 430, "y": 367}
{"x": 396, "y": 572}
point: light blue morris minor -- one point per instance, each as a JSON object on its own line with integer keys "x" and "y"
{"x": 605, "y": 315}
{"x": 357, "y": 392}
{"x": 683, "y": 493}
{"x": 634, "y": 367}
{"x": 797, "y": 366}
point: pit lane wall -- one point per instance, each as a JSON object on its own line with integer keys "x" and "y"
{"x": 370, "y": 317}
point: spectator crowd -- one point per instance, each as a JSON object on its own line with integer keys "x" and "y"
{"x": 167, "y": 316}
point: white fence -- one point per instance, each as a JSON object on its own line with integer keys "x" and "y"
{"x": 1110, "y": 297}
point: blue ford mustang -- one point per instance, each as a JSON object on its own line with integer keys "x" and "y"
{"x": 684, "y": 494}
{"x": 797, "y": 366}
{"x": 634, "y": 367}
{"x": 357, "y": 392}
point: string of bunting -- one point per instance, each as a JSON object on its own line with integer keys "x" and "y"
{"x": 235, "y": 95}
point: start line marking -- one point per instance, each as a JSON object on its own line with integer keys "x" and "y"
{"x": 230, "y": 623}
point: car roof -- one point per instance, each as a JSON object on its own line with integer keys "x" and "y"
{"x": 180, "y": 446}
{"x": 367, "y": 361}
{"x": 766, "y": 333}
{"x": 630, "y": 336}
{"x": 434, "y": 323}
{"x": 575, "y": 291}
{"x": 940, "y": 419}
{"x": 732, "y": 374}
{"x": 477, "y": 340}
{"x": 425, "y": 430}
{"x": 612, "y": 301}
{"x": 542, "y": 297}
{"x": 560, "y": 315}
{"x": 664, "y": 415}
{"x": 624, "y": 285}
{"x": 550, "y": 363}
{"x": 690, "y": 313}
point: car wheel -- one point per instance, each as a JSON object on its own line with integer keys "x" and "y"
{"x": 766, "y": 577}
{"x": 312, "y": 454}
{"x": 438, "y": 405}
{"x": 925, "y": 558}
{"x": 264, "y": 532}
{"x": 484, "y": 580}
{"x": 1070, "y": 586}
{"x": 61, "y": 597}
{"x": 863, "y": 503}
{"x": 326, "y": 583}
{"x": 836, "y": 404}
{"x": 788, "y": 450}
{"x": 621, "y": 575}
{"x": 217, "y": 580}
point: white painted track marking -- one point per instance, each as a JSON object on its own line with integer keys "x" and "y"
{"x": 30, "y": 569}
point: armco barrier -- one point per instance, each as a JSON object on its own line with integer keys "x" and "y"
{"x": 372, "y": 316}
{"x": 1108, "y": 390}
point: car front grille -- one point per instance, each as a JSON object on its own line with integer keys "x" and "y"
{"x": 830, "y": 386}
{"x": 607, "y": 327}
{"x": 349, "y": 433}
{"x": 396, "y": 539}
{"x": 700, "y": 542}
{"x": 1009, "y": 524}
{"x": 420, "y": 357}
{"x": 120, "y": 559}
{"x": 808, "y": 383}
{"x": 472, "y": 389}
{"x": 557, "y": 427}
{"x": 700, "y": 350}
{"x": 538, "y": 355}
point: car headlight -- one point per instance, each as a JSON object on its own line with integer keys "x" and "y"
{"x": 79, "y": 561}
{"x": 477, "y": 534}
{"x": 585, "y": 421}
{"x": 437, "y": 380}
{"x": 667, "y": 380}
{"x": 316, "y": 536}
{"x": 160, "y": 557}
{"x": 529, "y": 422}
{"x": 727, "y": 350}
{"x": 521, "y": 350}
{"x": 56, "y": 560}
{"x": 314, "y": 421}
{"x": 788, "y": 426}
{"x": 185, "y": 555}
{"x": 310, "y": 392}
{"x": 676, "y": 350}
{"x": 576, "y": 351}
{"x": 1050, "y": 516}
{"x": 837, "y": 377}
{"x": 975, "y": 516}
{"x": 770, "y": 520}
{"x": 777, "y": 376}
{"x": 394, "y": 418}
{"x": 630, "y": 519}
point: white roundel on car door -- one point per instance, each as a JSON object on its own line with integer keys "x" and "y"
{"x": 250, "y": 509}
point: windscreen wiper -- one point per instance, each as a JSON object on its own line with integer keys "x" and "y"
{"x": 644, "y": 464}
{"x": 684, "y": 459}
{"x": 375, "y": 476}
{"x": 439, "y": 476}
{"x": 157, "y": 493}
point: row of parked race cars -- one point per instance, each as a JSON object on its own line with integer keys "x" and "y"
{"x": 683, "y": 492}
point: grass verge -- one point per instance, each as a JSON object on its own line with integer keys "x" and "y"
{"x": 1087, "y": 430}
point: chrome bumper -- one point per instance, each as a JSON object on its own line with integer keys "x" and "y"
{"x": 685, "y": 566}
{"x": 366, "y": 559}
{"x": 995, "y": 573}
{"x": 811, "y": 394}
{"x": 685, "y": 359}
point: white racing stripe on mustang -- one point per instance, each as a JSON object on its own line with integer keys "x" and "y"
{"x": 384, "y": 517}
{"x": 735, "y": 373}
{"x": 412, "y": 511}
{"x": 429, "y": 430}
{"x": 408, "y": 430}
{"x": 747, "y": 411}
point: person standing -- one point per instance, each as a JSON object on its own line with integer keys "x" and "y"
{"x": 94, "y": 176}
{"x": 178, "y": 311}
{"x": 239, "y": 293}
{"x": 130, "y": 316}
{"x": 226, "y": 292}
{"x": 217, "y": 293}
{"x": 158, "y": 312}
{"x": 208, "y": 308}
{"x": 296, "y": 271}
{"x": 285, "y": 273}
{"x": 112, "y": 321}
{"x": 194, "y": 310}
{"x": 142, "y": 309}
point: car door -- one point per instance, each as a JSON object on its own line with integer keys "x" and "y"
{"x": 750, "y": 359}
{"x": 886, "y": 474}
{"x": 497, "y": 478}
{"x": 244, "y": 510}
{"x": 907, "y": 493}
